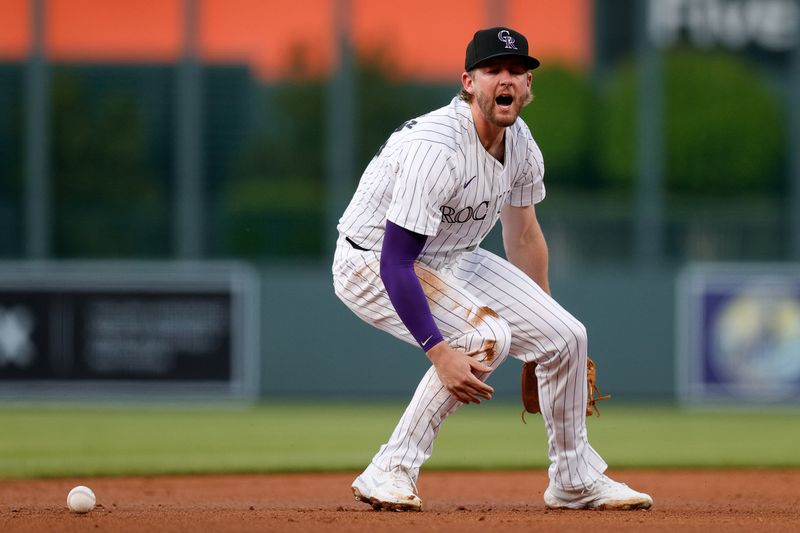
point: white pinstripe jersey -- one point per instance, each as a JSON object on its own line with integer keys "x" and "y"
{"x": 433, "y": 176}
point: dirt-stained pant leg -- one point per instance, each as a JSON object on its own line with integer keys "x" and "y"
{"x": 543, "y": 331}
{"x": 465, "y": 321}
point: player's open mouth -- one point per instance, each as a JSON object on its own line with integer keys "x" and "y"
{"x": 504, "y": 100}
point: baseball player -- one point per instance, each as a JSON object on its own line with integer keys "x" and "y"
{"x": 408, "y": 261}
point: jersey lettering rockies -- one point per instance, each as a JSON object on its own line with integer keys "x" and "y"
{"x": 433, "y": 177}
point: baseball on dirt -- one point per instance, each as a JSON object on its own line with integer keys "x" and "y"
{"x": 81, "y": 499}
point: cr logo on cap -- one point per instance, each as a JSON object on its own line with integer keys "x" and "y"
{"x": 506, "y": 37}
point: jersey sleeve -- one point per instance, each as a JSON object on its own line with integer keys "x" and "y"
{"x": 528, "y": 188}
{"x": 424, "y": 182}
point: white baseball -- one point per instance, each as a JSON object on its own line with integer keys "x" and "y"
{"x": 81, "y": 499}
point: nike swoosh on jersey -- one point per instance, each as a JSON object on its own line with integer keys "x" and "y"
{"x": 469, "y": 181}
{"x": 426, "y": 340}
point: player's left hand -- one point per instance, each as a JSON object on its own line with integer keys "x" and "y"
{"x": 457, "y": 370}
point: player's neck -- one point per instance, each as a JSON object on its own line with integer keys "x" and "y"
{"x": 491, "y": 136}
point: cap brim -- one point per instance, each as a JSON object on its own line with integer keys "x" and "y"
{"x": 530, "y": 62}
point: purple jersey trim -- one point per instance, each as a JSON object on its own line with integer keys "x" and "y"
{"x": 401, "y": 247}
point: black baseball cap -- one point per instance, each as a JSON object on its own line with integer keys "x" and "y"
{"x": 497, "y": 42}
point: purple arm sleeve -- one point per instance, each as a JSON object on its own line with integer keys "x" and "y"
{"x": 401, "y": 247}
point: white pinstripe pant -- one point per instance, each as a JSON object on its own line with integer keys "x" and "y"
{"x": 485, "y": 305}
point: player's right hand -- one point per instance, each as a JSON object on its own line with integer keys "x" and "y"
{"x": 456, "y": 370}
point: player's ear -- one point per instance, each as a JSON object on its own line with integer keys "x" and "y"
{"x": 467, "y": 82}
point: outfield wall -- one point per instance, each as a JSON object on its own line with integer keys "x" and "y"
{"x": 232, "y": 331}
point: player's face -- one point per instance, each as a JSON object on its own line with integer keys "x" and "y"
{"x": 501, "y": 87}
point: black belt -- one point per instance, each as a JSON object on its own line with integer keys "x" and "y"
{"x": 354, "y": 245}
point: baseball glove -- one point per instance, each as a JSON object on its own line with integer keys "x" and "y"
{"x": 530, "y": 389}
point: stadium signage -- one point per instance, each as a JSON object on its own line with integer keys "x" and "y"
{"x": 738, "y": 334}
{"x": 133, "y": 330}
{"x": 769, "y": 25}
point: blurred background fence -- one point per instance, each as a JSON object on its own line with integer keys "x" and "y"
{"x": 237, "y": 130}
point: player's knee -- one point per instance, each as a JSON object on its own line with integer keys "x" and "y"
{"x": 497, "y": 337}
{"x": 573, "y": 338}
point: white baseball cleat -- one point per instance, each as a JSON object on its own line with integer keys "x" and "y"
{"x": 604, "y": 494}
{"x": 394, "y": 490}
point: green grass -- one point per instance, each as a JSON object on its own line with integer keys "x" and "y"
{"x": 40, "y": 441}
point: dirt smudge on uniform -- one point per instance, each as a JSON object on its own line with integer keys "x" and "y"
{"x": 363, "y": 271}
{"x": 433, "y": 287}
{"x": 367, "y": 272}
{"x": 476, "y": 318}
{"x": 488, "y": 348}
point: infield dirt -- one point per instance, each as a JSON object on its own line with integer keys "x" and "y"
{"x": 697, "y": 500}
